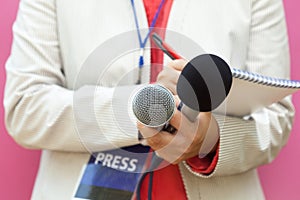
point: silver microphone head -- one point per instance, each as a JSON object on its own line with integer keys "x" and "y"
{"x": 153, "y": 105}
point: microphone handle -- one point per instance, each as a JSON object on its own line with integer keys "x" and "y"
{"x": 189, "y": 113}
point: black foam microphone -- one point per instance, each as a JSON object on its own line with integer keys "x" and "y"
{"x": 202, "y": 86}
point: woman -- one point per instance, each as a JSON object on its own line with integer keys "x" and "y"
{"x": 46, "y": 87}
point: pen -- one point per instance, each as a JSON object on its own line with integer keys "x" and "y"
{"x": 165, "y": 47}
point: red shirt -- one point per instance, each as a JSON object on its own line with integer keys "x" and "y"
{"x": 167, "y": 182}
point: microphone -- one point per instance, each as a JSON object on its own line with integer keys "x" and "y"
{"x": 153, "y": 105}
{"x": 202, "y": 86}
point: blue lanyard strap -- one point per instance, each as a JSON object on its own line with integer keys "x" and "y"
{"x": 143, "y": 42}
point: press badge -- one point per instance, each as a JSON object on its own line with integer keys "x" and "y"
{"x": 112, "y": 174}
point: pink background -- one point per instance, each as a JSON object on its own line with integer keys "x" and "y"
{"x": 18, "y": 167}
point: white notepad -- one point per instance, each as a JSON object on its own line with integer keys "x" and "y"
{"x": 250, "y": 92}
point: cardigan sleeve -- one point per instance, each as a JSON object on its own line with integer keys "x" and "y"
{"x": 251, "y": 141}
{"x": 40, "y": 112}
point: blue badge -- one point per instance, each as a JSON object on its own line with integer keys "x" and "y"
{"x": 112, "y": 174}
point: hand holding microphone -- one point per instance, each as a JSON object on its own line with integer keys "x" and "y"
{"x": 202, "y": 85}
{"x": 156, "y": 108}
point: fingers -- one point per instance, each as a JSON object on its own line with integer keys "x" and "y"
{"x": 154, "y": 138}
{"x": 168, "y": 77}
{"x": 177, "y": 64}
{"x": 187, "y": 141}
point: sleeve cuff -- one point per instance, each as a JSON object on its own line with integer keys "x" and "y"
{"x": 204, "y": 165}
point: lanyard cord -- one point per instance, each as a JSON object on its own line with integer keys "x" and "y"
{"x": 155, "y": 162}
{"x": 143, "y": 42}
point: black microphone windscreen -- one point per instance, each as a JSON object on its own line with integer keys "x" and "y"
{"x": 204, "y": 83}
